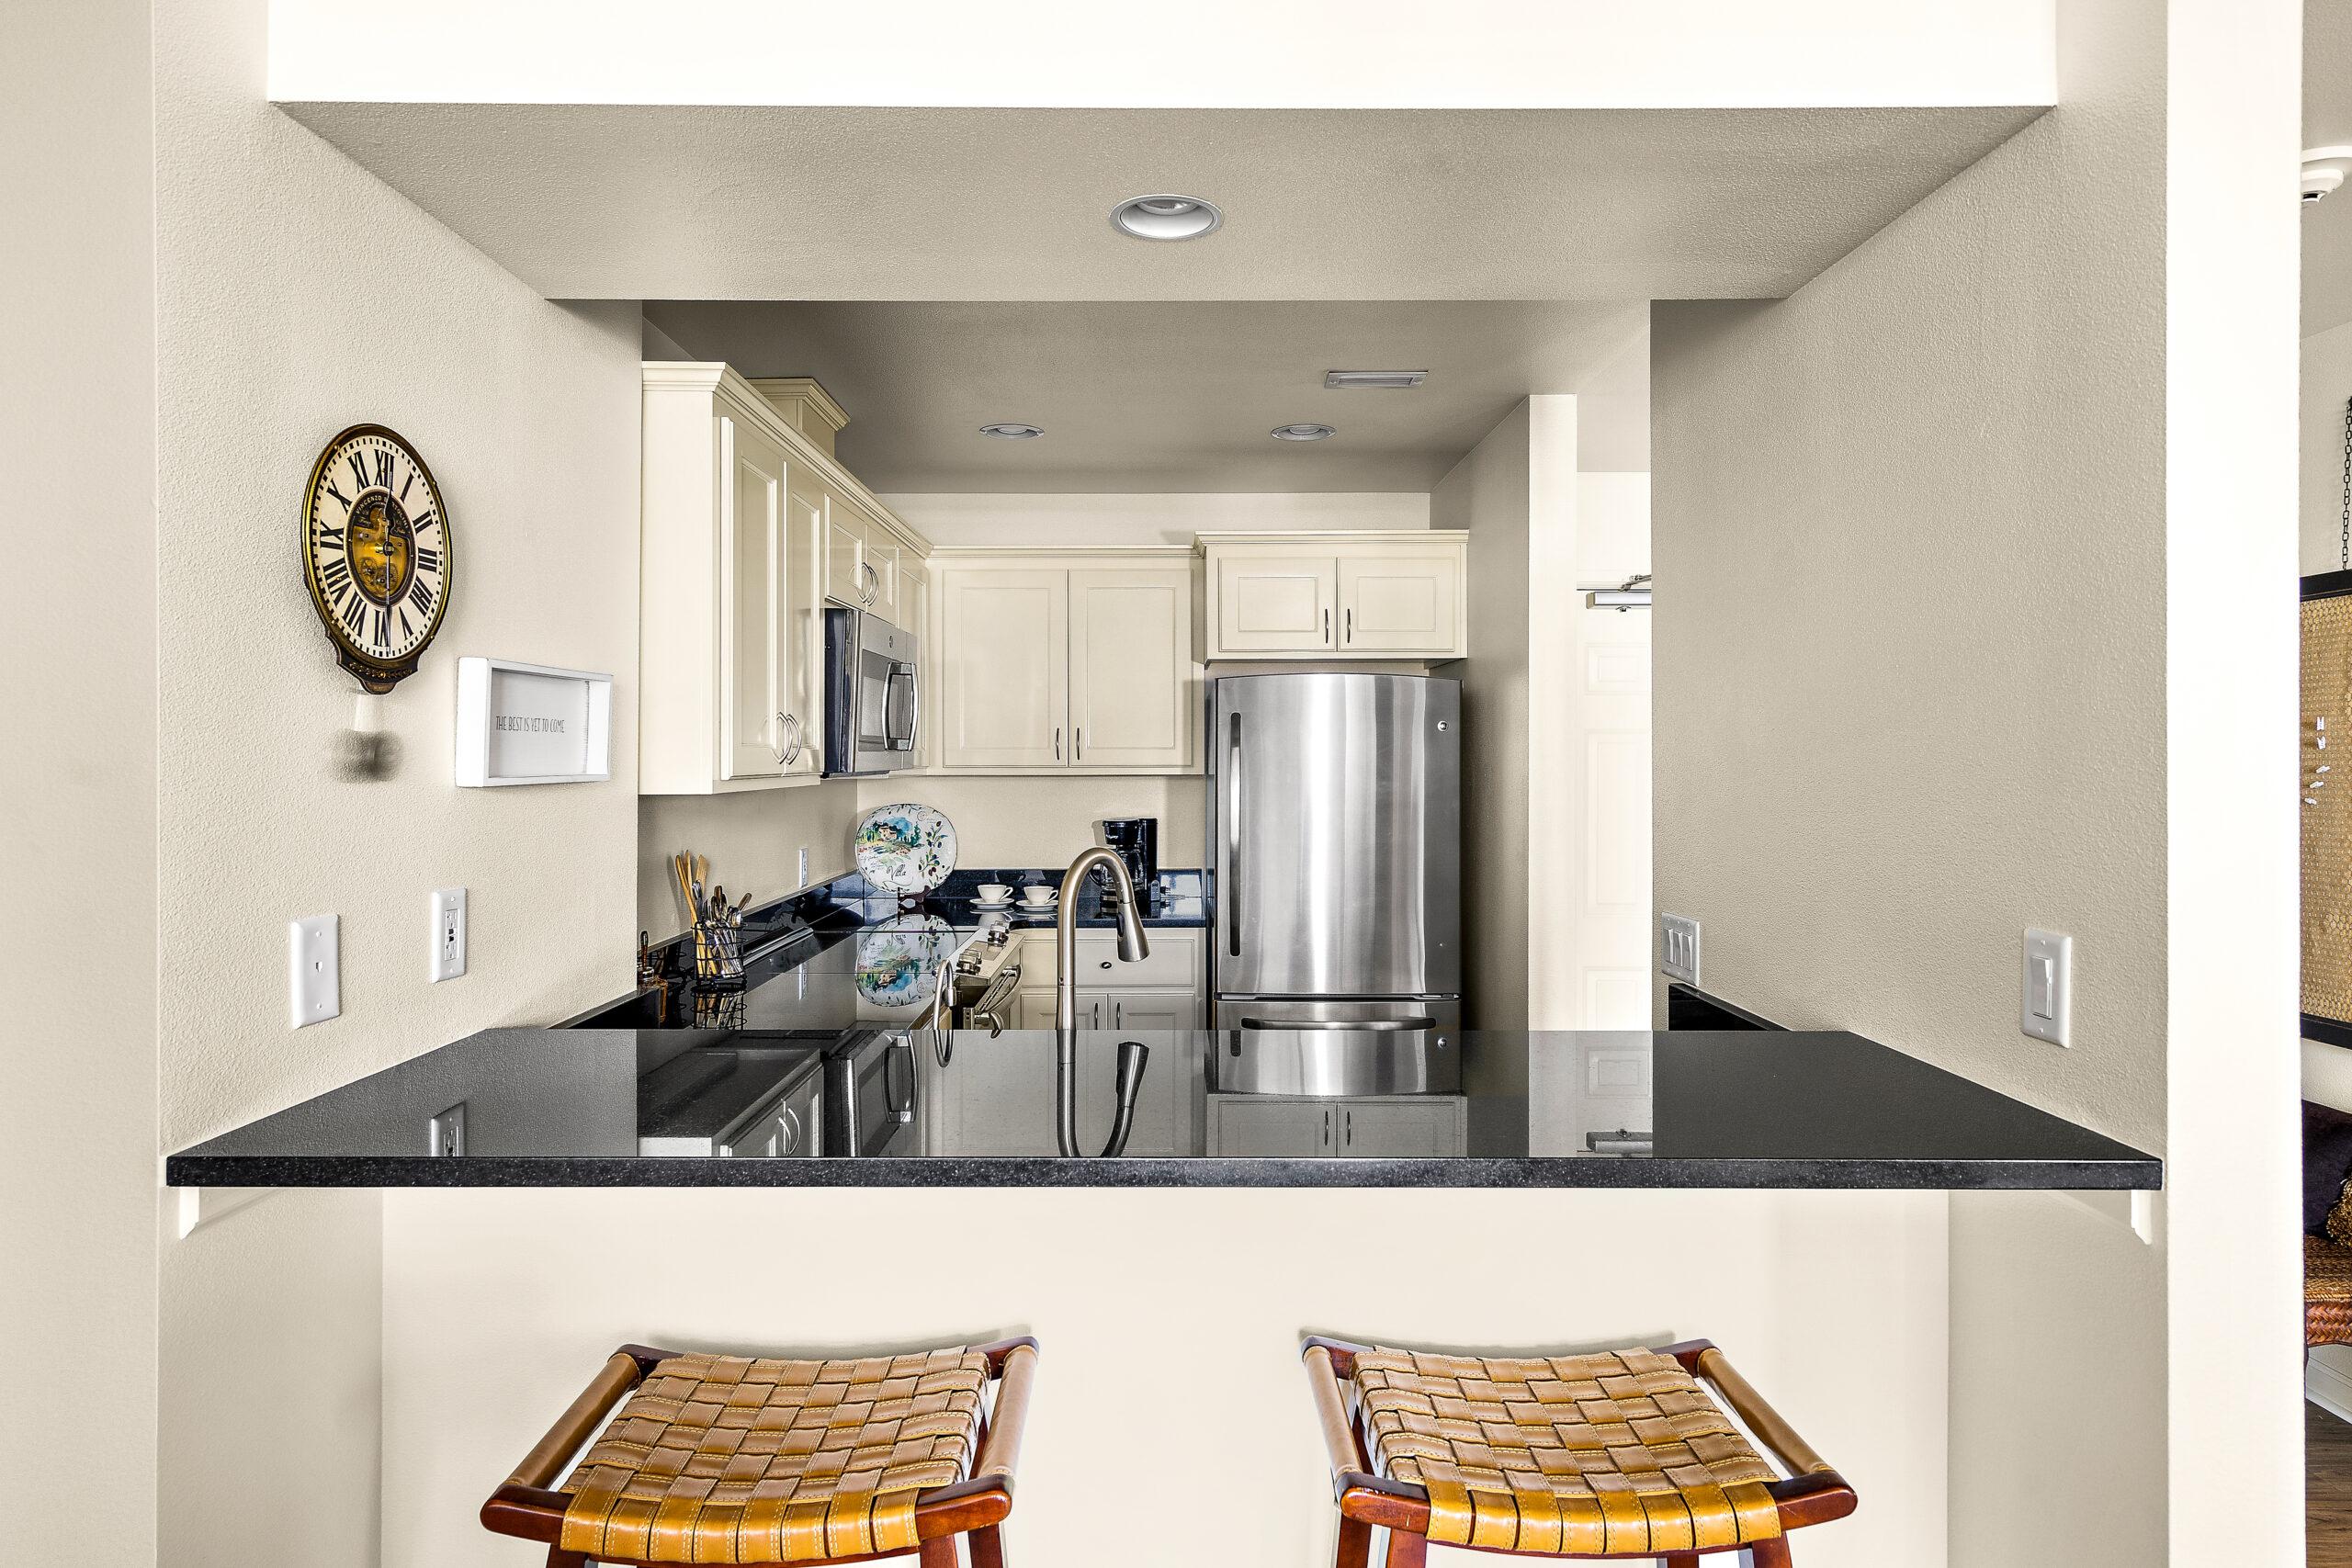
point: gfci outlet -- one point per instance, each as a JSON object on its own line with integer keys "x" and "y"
{"x": 448, "y": 935}
{"x": 314, "y": 968}
{"x": 1679, "y": 948}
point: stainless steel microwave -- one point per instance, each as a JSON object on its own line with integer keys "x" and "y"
{"x": 872, "y": 702}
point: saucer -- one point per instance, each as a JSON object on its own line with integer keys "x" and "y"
{"x": 991, "y": 905}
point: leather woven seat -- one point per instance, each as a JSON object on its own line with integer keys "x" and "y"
{"x": 1613, "y": 1454}
{"x": 754, "y": 1461}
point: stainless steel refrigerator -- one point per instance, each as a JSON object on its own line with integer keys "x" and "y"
{"x": 1335, "y": 829}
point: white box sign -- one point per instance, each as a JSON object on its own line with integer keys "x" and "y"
{"x": 520, "y": 724}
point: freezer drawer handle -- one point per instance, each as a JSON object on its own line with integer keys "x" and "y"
{"x": 1375, "y": 1025}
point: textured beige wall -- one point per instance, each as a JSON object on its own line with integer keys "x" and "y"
{"x": 297, "y": 294}
{"x": 1008, "y": 822}
{"x": 1487, "y": 494}
{"x": 1918, "y": 527}
{"x": 753, "y": 841}
{"x": 1832, "y": 1302}
{"x": 77, "y": 792}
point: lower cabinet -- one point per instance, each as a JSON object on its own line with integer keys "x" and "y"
{"x": 1113, "y": 1009}
{"x": 1371, "y": 1127}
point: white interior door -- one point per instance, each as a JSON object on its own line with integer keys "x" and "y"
{"x": 1134, "y": 701}
{"x": 1597, "y": 975}
{"x": 1004, "y": 644}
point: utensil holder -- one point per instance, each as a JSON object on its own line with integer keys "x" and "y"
{"x": 718, "y": 956}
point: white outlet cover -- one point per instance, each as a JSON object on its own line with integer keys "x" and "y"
{"x": 2046, "y": 986}
{"x": 314, "y": 969}
{"x": 446, "y": 935}
{"x": 1679, "y": 948}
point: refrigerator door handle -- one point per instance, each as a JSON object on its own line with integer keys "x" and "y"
{"x": 1229, "y": 885}
{"x": 1342, "y": 1026}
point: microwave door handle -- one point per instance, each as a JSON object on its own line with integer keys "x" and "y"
{"x": 1230, "y": 888}
{"x": 890, "y": 1056}
{"x": 914, "y": 708}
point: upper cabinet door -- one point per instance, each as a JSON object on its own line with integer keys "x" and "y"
{"x": 882, "y": 577}
{"x": 1274, "y": 604}
{"x": 1004, "y": 637}
{"x": 751, "y": 631}
{"x": 1133, "y": 697}
{"x": 1401, "y": 599}
{"x": 804, "y": 631}
{"x": 845, "y": 569}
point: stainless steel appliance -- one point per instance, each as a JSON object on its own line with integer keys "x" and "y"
{"x": 755, "y": 1096}
{"x": 873, "y": 695}
{"x": 1335, "y": 828}
{"x": 871, "y": 1094}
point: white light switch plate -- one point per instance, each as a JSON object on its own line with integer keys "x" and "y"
{"x": 314, "y": 968}
{"x": 1679, "y": 948}
{"x": 448, "y": 935}
{"x": 2046, "y": 986}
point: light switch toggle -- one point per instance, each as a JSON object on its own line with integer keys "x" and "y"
{"x": 2049, "y": 984}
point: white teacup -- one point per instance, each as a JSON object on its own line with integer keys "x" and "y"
{"x": 1037, "y": 893}
{"x": 994, "y": 892}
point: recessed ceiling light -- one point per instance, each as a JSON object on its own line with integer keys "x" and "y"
{"x": 1013, "y": 430}
{"x": 1340, "y": 380}
{"x": 1165, "y": 216}
{"x": 1302, "y": 432}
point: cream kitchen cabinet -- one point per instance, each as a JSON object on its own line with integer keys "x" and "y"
{"x": 1057, "y": 661}
{"x": 1336, "y": 596}
{"x": 743, "y": 509}
{"x": 729, "y": 659}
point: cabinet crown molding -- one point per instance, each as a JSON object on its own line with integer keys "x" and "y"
{"x": 1329, "y": 536}
{"x": 724, "y": 379}
{"x": 949, "y": 553}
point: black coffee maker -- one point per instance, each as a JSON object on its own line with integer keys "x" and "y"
{"x": 1135, "y": 840}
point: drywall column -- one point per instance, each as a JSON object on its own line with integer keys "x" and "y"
{"x": 1489, "y": 492}
{"x": 77, "y": 638}
{"x": 1941, "y": 658}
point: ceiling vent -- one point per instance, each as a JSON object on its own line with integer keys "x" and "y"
{"x": 1395, "y": 380}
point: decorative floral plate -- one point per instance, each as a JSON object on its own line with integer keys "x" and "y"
{"x": 905, "y": 849}
{"x": 898, "y": 959}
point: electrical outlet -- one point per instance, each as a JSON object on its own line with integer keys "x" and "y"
{"x": 445, "y": 1134}
{"x": 2046, "y": 996}
{"x": 314, "y": 968}
{"x": 448, "y": 935}
{"x": 1679, "y": 948}
{"x": 804, "y": 868}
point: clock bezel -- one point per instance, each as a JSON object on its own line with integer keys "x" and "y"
{"x": 374, "y": 675}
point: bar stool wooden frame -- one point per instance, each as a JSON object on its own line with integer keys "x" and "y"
{"x": 1813, "y": 1494}
{"x": 525, "y": 1506}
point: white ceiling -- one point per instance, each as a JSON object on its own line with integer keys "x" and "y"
{"x": 2327, "y": 122}
{"x": 1158, "y": 396}
{"x": 587, "y": 201}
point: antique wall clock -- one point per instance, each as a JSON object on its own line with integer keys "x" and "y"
{"x": 377, "y": 552}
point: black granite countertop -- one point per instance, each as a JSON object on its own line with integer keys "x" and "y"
{"x": 575, "y": 1107}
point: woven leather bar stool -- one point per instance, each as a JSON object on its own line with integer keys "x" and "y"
{"x": 1616, "y": 1455}
{"x": 744, "y": 1461}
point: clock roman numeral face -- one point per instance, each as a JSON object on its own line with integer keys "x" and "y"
{"x": 377, "y": 546}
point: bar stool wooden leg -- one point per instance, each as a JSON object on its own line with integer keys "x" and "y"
{"x": 1406, "y": 1549}
{"x": 939, "y": 1553}
{"x": 1355, "y": 1544}
{"x": 1680, "y": 1560}
{"x": 1771, "y": 1554}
